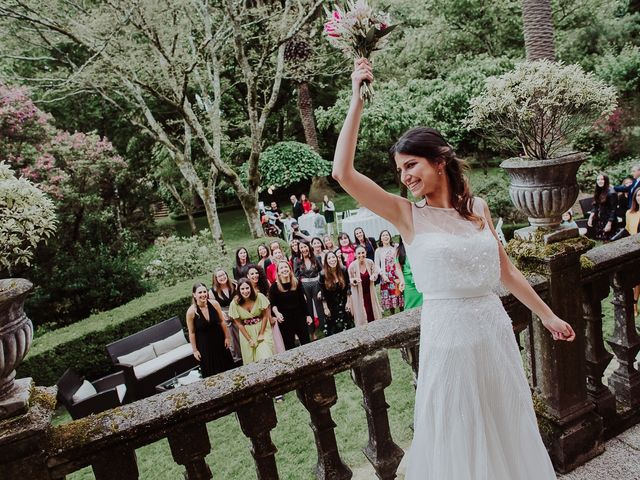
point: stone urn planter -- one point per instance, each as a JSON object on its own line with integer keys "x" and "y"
{"x": 544, "y": 189}
{"x": 16, "y": 334}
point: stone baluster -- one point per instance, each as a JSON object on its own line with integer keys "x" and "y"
{"x": 597, "y": 356}
{"x": 189, "y": 447}
{"x": 411, "y": 355}
{"x": 625, "y": 380}
{"x": 117, "y": 463}
{"x": 373, "y": 375}
{"x": 318, "y": 397}
{"x": 257, "y": 419}
{"x": 575, "y": 429}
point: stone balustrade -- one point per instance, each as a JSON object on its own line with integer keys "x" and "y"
{"x": 576, "y": 410}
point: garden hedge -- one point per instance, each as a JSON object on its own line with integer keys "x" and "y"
{"x": 81, "y": 345}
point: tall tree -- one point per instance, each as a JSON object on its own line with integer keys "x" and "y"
{"x": 298, "y": 56}
{"x": 145, "y": 55}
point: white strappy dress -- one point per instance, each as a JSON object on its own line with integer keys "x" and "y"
{"x": 474, "y": 417}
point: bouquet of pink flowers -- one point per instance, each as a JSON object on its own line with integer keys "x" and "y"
{"x": 358, "y": 31}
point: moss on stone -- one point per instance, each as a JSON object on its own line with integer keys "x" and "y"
{"x": 41, "y": 397}
{"x": 547, "y": 427}
{"x": 530, "y": 255}
{"x": 586, "y": 264}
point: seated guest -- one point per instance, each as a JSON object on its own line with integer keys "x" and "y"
{"x": 208, "y": 334}
{"x": 297, "y": 234}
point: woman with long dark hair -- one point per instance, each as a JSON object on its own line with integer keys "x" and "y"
{"x": 346, "y": 249}
{"x": 223, "y": 289}
{"x": 250, "y": 310}
{"x": 336, "y": 294}
{"x": 412, "y": 297}
{"x": 603, "y": 222}
{"x": 242, "y": 263}
{"x": 289, "y": 306}
{"x": 458, "y": 261}
{"x": 294, "y": 246}
{"x": 208, "y": 334}
{"x": 369, "y": 243}
{"x": 317, "y": 246}
{"x": 390, "y": 273}
{"x": 263, "y": 256}
{"x": 259, "y": 282}
{"x": 307, "y": 270}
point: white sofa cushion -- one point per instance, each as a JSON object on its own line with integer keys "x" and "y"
{"x": 157, "y": 363}
{"x": 85, "y": 391}
{"x": 174, "y": 341}
{"x": 138, "y": 357}
{"x": 121, "y": 390}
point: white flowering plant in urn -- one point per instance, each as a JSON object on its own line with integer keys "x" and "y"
{"x": 541, "y": 106}
{"x": 27, "y": 217}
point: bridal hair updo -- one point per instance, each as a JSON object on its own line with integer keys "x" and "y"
{"x": 428, "y": 143}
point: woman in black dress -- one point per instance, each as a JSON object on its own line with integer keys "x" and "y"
{"x": 223, "y": 290}
{"x": 336, "y": 294}
{"x": 208, "y": 333}
{"x": 242, "y": 264}
{"x": 603, "y": 222}
{"x": 307, "y": 270}
{"x": 289, "y": 306}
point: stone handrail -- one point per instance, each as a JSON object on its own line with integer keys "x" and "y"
{"x": 575, "y": 410}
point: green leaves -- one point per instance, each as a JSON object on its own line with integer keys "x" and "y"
{"x": 286, "y": 163}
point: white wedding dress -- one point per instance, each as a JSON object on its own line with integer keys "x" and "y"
{"x": 474, "y": 417}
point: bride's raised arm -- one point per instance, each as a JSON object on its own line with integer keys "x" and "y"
{"x": 366, "y": 192}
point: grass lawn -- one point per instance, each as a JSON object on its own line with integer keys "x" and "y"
{"x": 296, "y": 457}
{"x": 236, "y": 231}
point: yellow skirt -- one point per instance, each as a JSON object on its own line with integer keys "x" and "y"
{"x": 262, "y": 350}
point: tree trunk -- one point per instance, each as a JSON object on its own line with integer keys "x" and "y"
{"x": 249, "y": 204}
{"x": 538, "y": 30}
{"x": 211, "y": 208}
{"x": 319, "y": 185}
{"x": 186, "y": 208}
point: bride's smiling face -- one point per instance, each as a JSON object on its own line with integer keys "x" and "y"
{"x": 418, "y": 174}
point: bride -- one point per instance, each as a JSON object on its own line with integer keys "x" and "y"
{"x": 474, "y": 417}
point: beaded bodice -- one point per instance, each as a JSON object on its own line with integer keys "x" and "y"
{"x": 452, "y": 257}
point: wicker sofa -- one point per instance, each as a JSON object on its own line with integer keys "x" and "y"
{"x": 152, "y": 356}
{"x": 81, "y": 397}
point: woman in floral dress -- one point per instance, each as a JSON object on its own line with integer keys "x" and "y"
{"x": 390, "y": 274}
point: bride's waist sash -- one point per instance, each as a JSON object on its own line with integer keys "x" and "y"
{"x": 466, "y": 292}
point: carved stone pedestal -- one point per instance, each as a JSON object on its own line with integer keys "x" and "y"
{"x": 569, "y": 424}
{"x": 23, "y": 438}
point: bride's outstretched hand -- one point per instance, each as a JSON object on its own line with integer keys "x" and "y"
{"x": 361, "y": 72}
{"x": 560, "y": 330}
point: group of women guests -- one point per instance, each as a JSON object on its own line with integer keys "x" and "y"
{"x": 615, "y": 210}
{"x": 282, "y": 298}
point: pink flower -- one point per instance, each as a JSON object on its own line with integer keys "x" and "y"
{"x": 336, "y": 15}
{"x": 329, "y": 27}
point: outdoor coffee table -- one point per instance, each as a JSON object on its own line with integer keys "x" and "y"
{"x": 180, "y": 380}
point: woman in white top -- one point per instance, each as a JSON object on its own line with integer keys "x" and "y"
{"x": 329, "y": 211}
{"x": 474, "y": 417}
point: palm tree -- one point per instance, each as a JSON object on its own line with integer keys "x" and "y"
{"x": 297, "y": 53}
{"x": 538, "y": 30}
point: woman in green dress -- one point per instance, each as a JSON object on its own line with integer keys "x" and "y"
{"x": 250, "y": 312}
{"x": 412, "y": 297}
